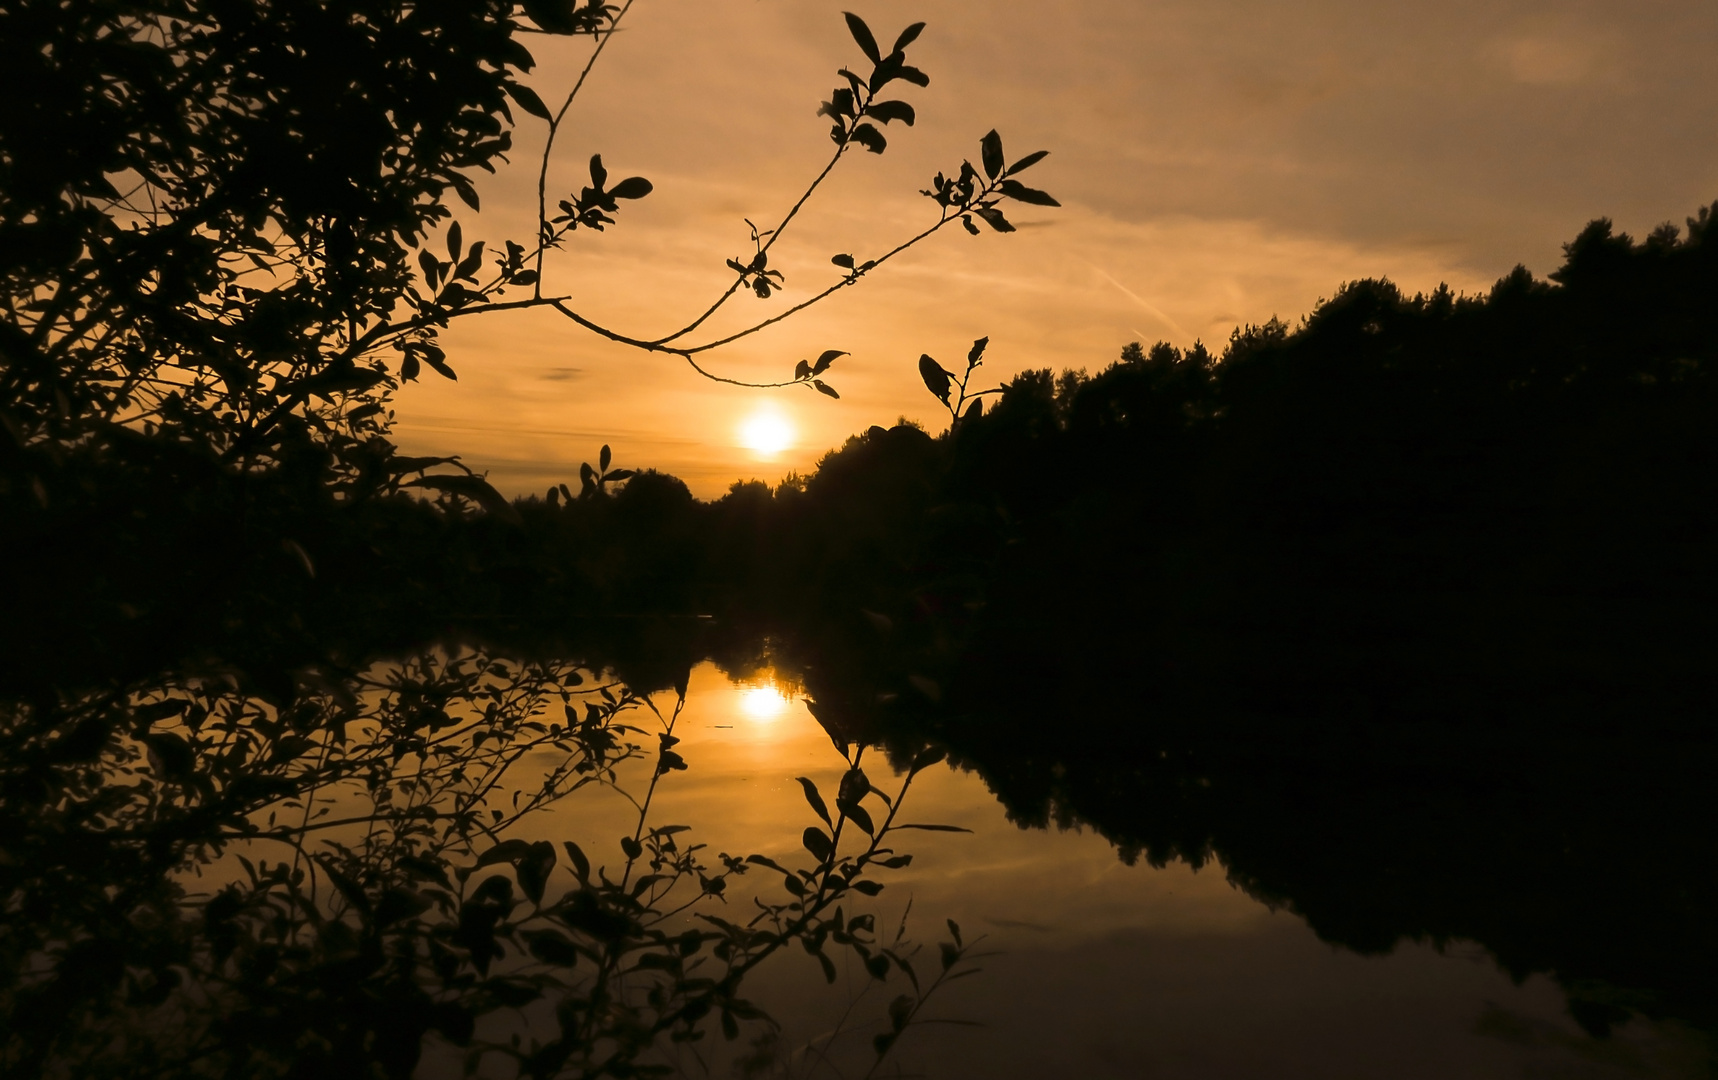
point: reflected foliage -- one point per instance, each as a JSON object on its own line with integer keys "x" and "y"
{"x": 1405, "y": 613}
{"x": 200, "y": 882}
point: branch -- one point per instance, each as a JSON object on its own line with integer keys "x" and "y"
{"x": 802, "y": 305}
{"x": 774, "y": 235}
{"x": 549, "y": 144}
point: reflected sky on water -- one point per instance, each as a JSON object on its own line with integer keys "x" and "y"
{"x": 1099, "y": 968}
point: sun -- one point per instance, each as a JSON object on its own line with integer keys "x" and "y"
{"x": 766, "y": 433}
{"x": 763, "y": 703}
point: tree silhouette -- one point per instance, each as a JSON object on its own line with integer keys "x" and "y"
{"x": 211, "y": 234}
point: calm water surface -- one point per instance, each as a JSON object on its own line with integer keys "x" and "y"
{"x": 1097, "y": 968}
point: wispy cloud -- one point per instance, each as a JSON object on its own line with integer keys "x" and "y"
{"x": 1150, "y": 308}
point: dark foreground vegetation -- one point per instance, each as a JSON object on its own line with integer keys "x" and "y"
{"x": 1406, "y": 614}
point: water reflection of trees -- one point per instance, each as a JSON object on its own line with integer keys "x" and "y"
{"x": 201, "y": 881}
{"x": 1578, "y": 845}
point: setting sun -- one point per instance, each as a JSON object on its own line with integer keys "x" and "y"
{"x": 766, "y": 433}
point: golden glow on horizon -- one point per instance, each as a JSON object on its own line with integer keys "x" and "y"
{"x": 766, "y": 433}
{"x": 1275, "y": 151}
{"x": 763, "y": 703}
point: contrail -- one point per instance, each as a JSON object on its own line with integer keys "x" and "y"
{"x": 1153, "y": 309}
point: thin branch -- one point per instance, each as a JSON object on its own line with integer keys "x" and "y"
{"x": 554, "y": 127}
{"x": 774, "y": 235}
{"x": 826, "y": 293}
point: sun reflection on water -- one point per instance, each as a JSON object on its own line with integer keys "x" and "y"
{"x": 763, "y": 703}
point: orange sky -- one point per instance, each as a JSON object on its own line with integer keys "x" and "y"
{"x": 1219, "y": 161}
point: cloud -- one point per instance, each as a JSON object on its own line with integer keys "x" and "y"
{"x": 1548, "y": 60}
{"x": 1221, "y": 161}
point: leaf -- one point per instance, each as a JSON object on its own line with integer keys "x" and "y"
{"x": 633, "y": 187}
{"x": 862, "y": 35}
{"x": 472, "y": 263}
{"x": 534, "y": 869}
{"x": 813, "y": 797}
{"x": 617, "y": 475}
{"x": 474, "y": 488}
{"x": 528, "y": 100}
{"x": 828, "y": 357}
{"x": 293, "y": 547}
{"x": 456, "y": 295}
{"x": 907, "y": 73}
{"x": 870, "y": 138}
{"x": 869, "y": 888}
{"x": 525, "y": 277}
{"x": 991, "y": 148}
{"x": 889, "y": 111}
{"x": 937, "y": 380}
{"x": 400, "y": 464}
{"x": 553, "y": 16}
{"x": 171, "y": 755}
{"x": 928, "y": 758}
{"x": 824, "y": 388}
{"x": 954, "y": 928}
{"x": 843, "y": 261}
{"x": 993, "y": 217}
{"x": 431, "y": 268}
{"x": 976, "y": 353}
{"x": 828, "y": 967}
{"x": 802, "y": 370}
{"x": 908, "y": 36}
{"x": 552, "y": 947}
{"x": 975, "y": 410}
{"x": 1027, "y": 162}
{"x": 901, "y": 1011}
{"x": 581, "y": 865}
{"x": 453, "y": 241}
{"x": 348, "y": 888}
{"x": 604, "y": 456}
{"x": 507, "y": 851}
{"x": 433, "y": 356}
{"x": 855, "y": 785}
{"x": 631, "y": 847}
{"x": 859, "y": 816}
{"x": 818, "y": 843}
{"x": 1019, "y": 192}
{"x": 761, "y": 860}
{"x": 933, "y": 828}
{"x": 598, "y": 173}
{"x": 840, "y": 104}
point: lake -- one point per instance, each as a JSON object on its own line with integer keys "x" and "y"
{"x": 514, "y": 866}
{"x": 1099, "y": 968}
